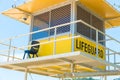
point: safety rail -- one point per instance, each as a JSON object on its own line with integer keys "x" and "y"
{"x": 111, "y": 55}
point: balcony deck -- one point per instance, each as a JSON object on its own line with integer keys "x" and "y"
{"x": 58, "y": 64}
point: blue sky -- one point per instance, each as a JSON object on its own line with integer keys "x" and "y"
{"x": 10, "y": 27}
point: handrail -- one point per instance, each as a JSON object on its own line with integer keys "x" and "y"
{"x": 83, "y": 22}
{"x": 11, "y": 46}
{"x": 10, "y": 56}
{"x": 73, "y": 22}
{"x": 42, "y": 30}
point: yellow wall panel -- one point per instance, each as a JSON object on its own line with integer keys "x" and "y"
{"x": 45, "y": 49}
{"x": 63, "y": 46}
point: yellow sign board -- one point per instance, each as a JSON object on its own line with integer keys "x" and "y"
{"x": 89, "y": 47}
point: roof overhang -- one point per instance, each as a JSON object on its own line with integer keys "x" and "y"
{"x": 30, "y": 8}
{"x": 103, "y": 9}
{"x": 99, "y": 7}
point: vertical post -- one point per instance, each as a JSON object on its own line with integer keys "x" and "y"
{"x": 108, "y": 59}
{"x": 54, "y": 49}
{"x": 13, "y": 53}
{"x": 72, "y": 70}
{"x": 97, "y": 43}
{"x": 105, "y": 77}
{"x": 9, "y": 49}
{"x": 73, "y": 18}
{"x": 31, "y": 27}
{"x": 114, "y": 61}
{"x": 26, "y": 71}
{"x": 49, "y": 24}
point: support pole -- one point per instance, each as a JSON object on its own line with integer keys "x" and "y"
{"x": 105, "y": 77}
{"x": 13, "y": 54}
{"x": 72, "y": 69}
{"x": 9, "y": 50}
{"x": 26, "y": 71}
{"x": 73, "y": 18}
{"x": 97, "y": 43}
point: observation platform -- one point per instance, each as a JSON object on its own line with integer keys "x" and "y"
{"x": 59, "y": 64}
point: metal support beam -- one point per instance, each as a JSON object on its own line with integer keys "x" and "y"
{"x": 105, "y": 77}
{"x": 9, "y": 49}
{"x": 72, "y": 67}
{"x": 90, "y": 74}
{"x": 88, "y": 66}
{"x": 26, "y": 74}
{"x": 73, "y": 18}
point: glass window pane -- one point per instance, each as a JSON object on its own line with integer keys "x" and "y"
{"x": 40, "y": 22}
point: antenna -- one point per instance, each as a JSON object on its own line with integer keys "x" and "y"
{"x": 14, "y": 4}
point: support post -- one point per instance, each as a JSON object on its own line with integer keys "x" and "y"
{"x": 9, "y": 50}
{"x": 72, "y": 69}
{"x": 108, "y": 58}
{"x": 55, "y": 33}
{"x": 13, "y": 54}
{"x": 105, "y": 77}
{"x": 26, "y": 71}
{"x": 73, "y": 18}
{"x": 97, "y": 43}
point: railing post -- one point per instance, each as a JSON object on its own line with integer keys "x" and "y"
{"x": 13, "y": 53}
{"x": 108, "y": 58}
{"x": 97, "y": 43}
{"x": 54, "y": 49}
{"x": 73, "y": 18}
{"x": 26, "y": 74}
{"x": 9, "y": 49}
{"x": 114, "y": 60}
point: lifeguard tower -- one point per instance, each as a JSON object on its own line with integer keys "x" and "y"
{"x": 71, "y": 35}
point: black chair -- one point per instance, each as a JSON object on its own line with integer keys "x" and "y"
{"x": 33, "y": 50}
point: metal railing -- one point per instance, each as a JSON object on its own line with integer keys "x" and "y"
{"x": 110, "y": 54}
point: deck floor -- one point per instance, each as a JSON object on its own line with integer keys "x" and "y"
{"x": 57, "y": 64}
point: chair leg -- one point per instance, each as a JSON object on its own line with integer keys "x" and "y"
{"x": 24, "y": 56}
{"x": 36, "y": 55}
{"x": 33, "y": 56}
{"x": 29, "y": 55}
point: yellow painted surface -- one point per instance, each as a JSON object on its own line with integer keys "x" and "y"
{"x": 99, "y": 7}
{"x": 89, "y": 47}
{"x": 63, "y": 46}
